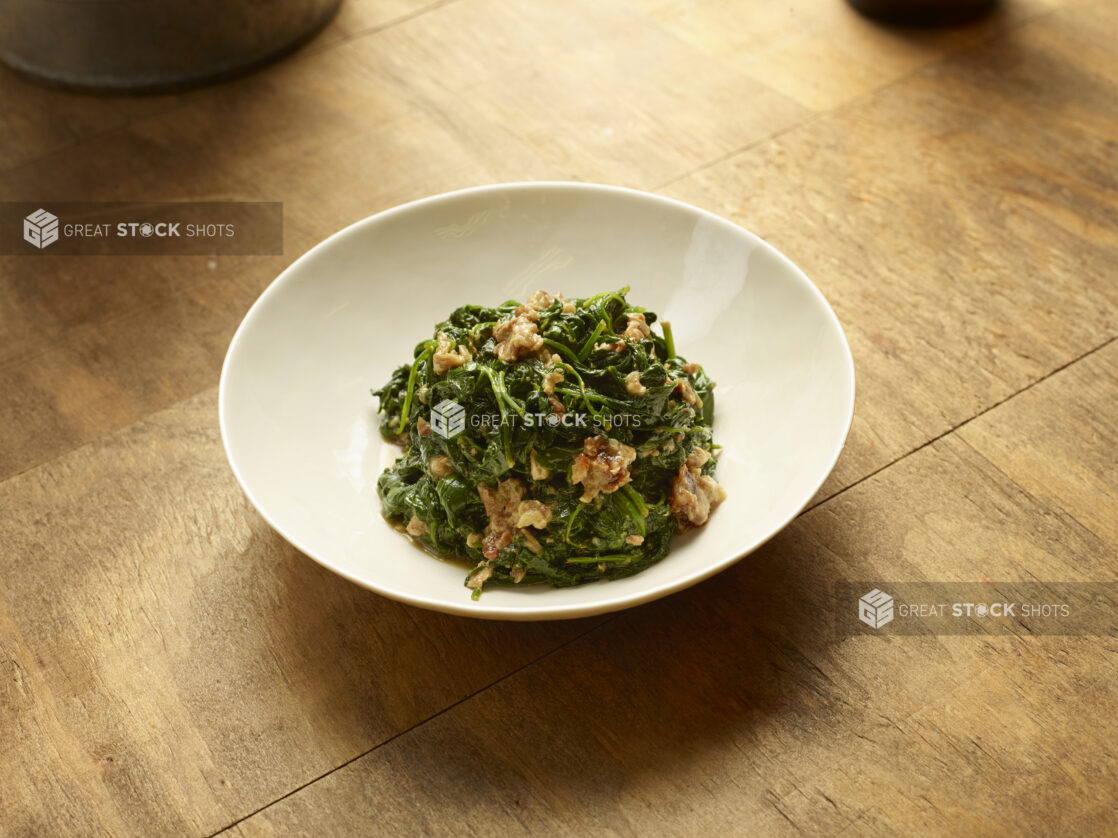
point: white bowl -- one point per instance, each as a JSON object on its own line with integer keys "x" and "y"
{"x": 300, "y": 427}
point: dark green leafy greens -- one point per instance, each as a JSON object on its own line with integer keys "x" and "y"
{"x": 551, "y": 441}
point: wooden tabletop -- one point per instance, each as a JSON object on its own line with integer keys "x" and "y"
{"x": 170, "y": 666}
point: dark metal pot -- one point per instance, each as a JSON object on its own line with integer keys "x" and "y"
{"x": 152, "y": 44}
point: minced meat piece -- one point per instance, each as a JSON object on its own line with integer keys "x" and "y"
{"x": 633, "y": 384}
{"x": 637, "y": 328}
{"x": 537, "y": 471}
{"x": 697, "y": 458}
{"x": 445, "y": 357}
{"x": 688, "y": 392}
{"x": 479, "y": 576}
{"x": 517, "y": 336}
{"x": 616, "y": 346}
{"x": 602, "y": 467}
{"x": 502, "y": 506}
{"x": 440, "y": 467}
{"x": 550, "y": 380}
{"x": 532, "y": 513}
{"x": 530, "y": 541}
{"x": 537, "y": 302}
{"x": 693, "y": 496}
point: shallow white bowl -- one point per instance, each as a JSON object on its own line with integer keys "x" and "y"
{"x": 300, "y": 427}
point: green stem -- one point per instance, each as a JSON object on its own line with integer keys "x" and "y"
{"x": 668, "y": 339}
{"x": 608, "y": 295}
{"x": 501, "y": 393}
{"x": 616, "y": 404}
{"x": 562, "y": 350}
{"x": 635, "y": 498}
{"x": 506, "y": 443}
{"x": 503, "y": 431}
{"x": 508, "y": 397}
{"x": 616, "y": 557}
{"x": 475, "y": 331}
{"x": 586, "y": 347}
{"x": 406, "y": 409}
{"x": 632, "y": 511}
{"x": 582, "y": 390}
{"x": 570, "y": 523}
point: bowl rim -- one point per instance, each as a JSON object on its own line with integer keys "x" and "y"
{"x": 477, "y": 608}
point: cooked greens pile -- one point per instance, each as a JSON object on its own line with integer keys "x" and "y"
{"x": 555, "y": 440}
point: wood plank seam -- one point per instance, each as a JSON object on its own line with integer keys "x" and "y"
{"x": 805, "y": 122}
{"x": 312, "y": 49}
{"x": 864, "y": 97}
{"x": 965, "y": 422}
{"x": 415, "y": 726}
{"x": 614, "y": 617}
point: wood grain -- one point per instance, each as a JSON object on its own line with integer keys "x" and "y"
{"x": 424, "y": 110}
{"x": 168, "y": 663}
{"x": 383, "y": 118}
{"x": 733, "y": 708}
{"x": 964, "y": 243}
{"x": 823, "y": 55}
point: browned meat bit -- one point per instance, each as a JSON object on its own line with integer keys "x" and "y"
{"x": 688, "y": 392}
{"x": 517, "y": 336}
{"x": 416, "y": 527}
{"x": 537, "y": 471}
{"x": 440, "y": 467}
{"x": 602, "y": 467}
{"x": 568, "y": 306}
{"x": 616, "y": 346}
{"x": 635, "y": 540}
{"x": 633, "y": 384}
{"x": 530, "y": 541}
{"x": 556, "y": 405}
{"x": 550, "y": 380}
{"x": 479, "y": 576}
{"x": 694, "y": 495}
{"x": 697, "y": 458}
{"x": 532, "y": 513}
{"x": 502, "y": 506}
{"x": 510, "y": 515}
{"x": 445, "y": 357}
{"x": 537, "y": 302}
{"x": 637, "y": 328}
{"x": 423, "y": 426}
{"x": 691, "y": 368}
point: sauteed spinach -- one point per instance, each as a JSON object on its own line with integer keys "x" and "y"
{"x": 554, "y": 440}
